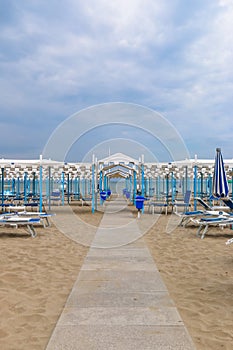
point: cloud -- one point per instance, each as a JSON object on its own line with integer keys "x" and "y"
{"x": 174, "y": 57}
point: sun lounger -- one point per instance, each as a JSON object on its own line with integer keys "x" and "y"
{"x": 43, "y": 216}
{"x": 162, "y": 205}
{"x": 14, "y": 208}
{"x": 204, "y": 223}
{"x": 16, "y": 221}
{"x": 55, "y": 197}
{"x": 206, "y": 206}
{"x": 229, "y": 241}
{"x": 188, "y": 215}
{"x": 32, "y": 205}
{"x": 228, "y": 202}
{"x": 85, "y": 200}
{"x": 183, "y": 203}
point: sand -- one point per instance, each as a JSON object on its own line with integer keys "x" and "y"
{"x": 37, "y": 276}
{"x": 199, "y": 276}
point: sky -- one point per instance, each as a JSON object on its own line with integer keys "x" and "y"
{"x": 61, "y": 57}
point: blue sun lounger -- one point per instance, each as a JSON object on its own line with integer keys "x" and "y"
{"x": 229, "y": 241}
{"x": 184, "y": 203}
{"x": 204, "y": 223}
{"x": 206, "y": 206}
{"x": 44, "y": 216}
{"x": 162, "y": 205}
{"x": 188, "y": 215}
{"x": 228, "y": 202}
{"x": 16, "y": 221}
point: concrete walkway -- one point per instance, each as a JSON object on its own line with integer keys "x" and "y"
{"x": 119, "y": 301}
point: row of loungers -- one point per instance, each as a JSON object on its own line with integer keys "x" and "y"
{"x": 14, "y": 206}
{"x": 185, "y": 204}
{"x": 220, "y": 216}
{"x": 164, "y": 205}
{"x": 18, "y": 217}
{"x": 20, "y": 222}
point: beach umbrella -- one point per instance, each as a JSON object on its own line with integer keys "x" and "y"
{"x": 220, "y": 185}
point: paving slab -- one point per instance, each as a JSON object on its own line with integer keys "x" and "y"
{"x": 120, "y": 338}
{"x": 116, "y": 253}
{"x": 127, "y": 265}
{"x": 121, "y": 259}
{"x": 122, "y": 276}
{"x": 140, "y": 281}
{"x": 119, "y": 300}
{"x": 125, "y": 299}
{"x": 143, "y": 316}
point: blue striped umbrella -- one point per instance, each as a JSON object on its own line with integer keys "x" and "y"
{"x": 220, "y": 185}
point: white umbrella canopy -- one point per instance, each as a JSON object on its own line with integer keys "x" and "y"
{"x": 28, "y": 163}
{"x": 18, "y": 166}
{"x": 220, "y": 184}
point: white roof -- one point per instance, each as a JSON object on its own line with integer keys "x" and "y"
{"x": 118, "y": 158}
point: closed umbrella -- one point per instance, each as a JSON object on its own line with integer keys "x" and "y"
{"x": 220, "y": 185}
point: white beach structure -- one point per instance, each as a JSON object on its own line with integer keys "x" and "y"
{"x": 117, "y": 171}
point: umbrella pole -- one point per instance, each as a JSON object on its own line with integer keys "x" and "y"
{"x": 232, "y": 189}
{"x": 2, "y": 188}
{"x": 41, "y": 189}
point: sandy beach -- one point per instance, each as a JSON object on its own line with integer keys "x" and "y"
{"x": 37, "y": 276}
{"x": 199, "y": 276}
